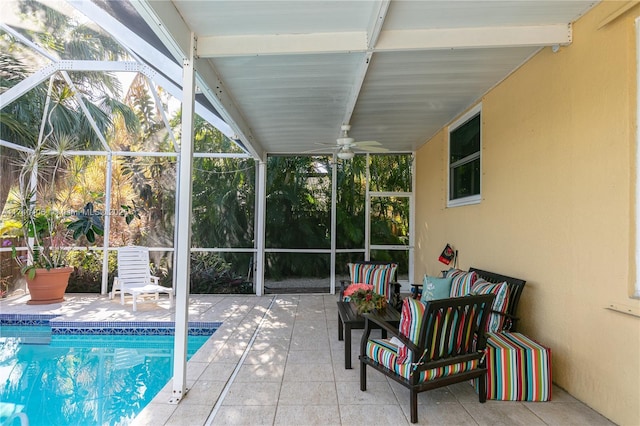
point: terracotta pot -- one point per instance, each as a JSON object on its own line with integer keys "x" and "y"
{"x": 48, "y": 286}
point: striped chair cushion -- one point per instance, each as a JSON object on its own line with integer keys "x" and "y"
{"x": 411, "y": 318}
{"x": 518, "y": 368}
{"x": 462, "y": 282}
{"x": 386, "y": 354}
{"x": 379, "y": 276}
{"x": 501, "y": 290}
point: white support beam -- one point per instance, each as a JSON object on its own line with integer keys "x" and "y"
{"x": 358, "y": 81}
{"x": 85, "y": 111}
{"x": 17, "y": 147}
{"x": 27, "y": 84}
{"x": 384, "y": 41}
{"x": 260, "y": 224}
{"x": 139, "y": 48}
{"x": 163, "y": 113}
{"x": 377, "y": 21}
{"x": 182, "y": 259}
{"x": 176, "y": 92}
{"x": 167, "y": 23}
{"x": 226, "y": 105}
{"x": 375, "y": 28}
{"x": 48, "y": 70}
{"x": 481, "y": 37}
{"x": 165, "y": 20}
{"x": 334, "y": 221}
{"x": 279, "y": 44}
{"x": 107, "y": 225}
{"x": 367, "y": 211}
{"x": 128, "y": 38}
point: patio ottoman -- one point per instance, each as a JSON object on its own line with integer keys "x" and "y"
{"x": 518, "y": 368}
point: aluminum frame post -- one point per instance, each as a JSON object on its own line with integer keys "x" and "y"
{"x": 183, "y": 223}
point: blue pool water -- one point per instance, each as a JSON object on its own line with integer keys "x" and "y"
{"x": 85, "y": 373}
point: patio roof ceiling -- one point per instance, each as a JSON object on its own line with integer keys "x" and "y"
{"x": 285, "y": 75}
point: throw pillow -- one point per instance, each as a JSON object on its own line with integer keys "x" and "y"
{"x": 380, "y": 278}
{"x": 501, "y": 290}
{"x": 434, "y": 288}
{"x": 378, "y": 275}
{"x": 462, "y": 283}
{"x": 452, "y": 272}
{"x": 411, "y": 319}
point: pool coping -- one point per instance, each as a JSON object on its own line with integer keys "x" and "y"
{"x": 127, "y": 328}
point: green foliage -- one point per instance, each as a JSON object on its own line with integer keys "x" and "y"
{"x": 88, "y": 224}
{"x": 298, "y": 213}
{"x": 130, "y": 213}
{"x": 223, "y": 195}
{"x": 87, "y": 274}
{"x": 211, "y": 274}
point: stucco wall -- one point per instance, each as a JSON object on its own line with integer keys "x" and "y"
{"x": 558, "y": 167}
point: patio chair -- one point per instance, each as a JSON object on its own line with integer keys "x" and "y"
{"x": 134, "y": 276}
{"x": 382, "y": 275}
{"x": 438, "y": 343}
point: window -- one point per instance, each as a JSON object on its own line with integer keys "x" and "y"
{"x": 464, "y": 159}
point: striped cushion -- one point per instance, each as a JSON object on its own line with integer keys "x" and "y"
{"x": 411, "y": 319}
{"x": 501, "y": 290}
{"x": 462, "y": 282}
{"x": 518, "y": 368}
{"x": 385, "y": 353}
{"x": 453, "y": 322}
{"x": 379, "y": 276}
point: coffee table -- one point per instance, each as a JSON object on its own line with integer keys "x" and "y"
{"x": 348, "y": 320}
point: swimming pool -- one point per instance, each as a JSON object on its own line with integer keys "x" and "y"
{"x": 83, "y": 373}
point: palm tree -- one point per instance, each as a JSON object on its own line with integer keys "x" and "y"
{"x": 20, "y": 120}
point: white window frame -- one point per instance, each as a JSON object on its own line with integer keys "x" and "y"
{"x": 472, "y": 199}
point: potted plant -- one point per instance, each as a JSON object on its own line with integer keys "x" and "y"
{"x": 49, "y": 225}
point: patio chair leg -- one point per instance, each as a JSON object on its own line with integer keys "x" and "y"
{"x": 363, "y": 376}
{"x": 414, "y": 406}
{"x": 482, "y": 388}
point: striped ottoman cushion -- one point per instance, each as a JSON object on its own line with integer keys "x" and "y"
{"x": 518, "y": 368}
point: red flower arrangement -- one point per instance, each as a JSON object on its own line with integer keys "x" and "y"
{"x": 365, "y": 299}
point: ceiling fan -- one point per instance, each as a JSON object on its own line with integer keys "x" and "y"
{"x": 346, "y": 144}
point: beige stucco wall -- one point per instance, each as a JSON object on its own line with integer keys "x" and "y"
{"x": 558, "y": 167}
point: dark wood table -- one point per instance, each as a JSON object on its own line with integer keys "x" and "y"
{"x": 348, "y": 320}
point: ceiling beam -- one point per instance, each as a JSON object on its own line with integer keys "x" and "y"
{"x": 165, "y": 20}
{"x": 384, "y": 41}
{"x": 376, "y": 23}
{"x": 171, "y": 72}
{"x": 230, "y": 113}
{"x": 373, "y": 33}
{"x": 464, "y": 38}
{"x": 278, "y": 44}
{"x": 128, "y": 38}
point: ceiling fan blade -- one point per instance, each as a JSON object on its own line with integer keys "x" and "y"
{"x": 328, "y": 149}
{"x": 367, "y": 143}
{"x": 372, "y": 148}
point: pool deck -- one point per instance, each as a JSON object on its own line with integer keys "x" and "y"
{"x": 277, "y": 360}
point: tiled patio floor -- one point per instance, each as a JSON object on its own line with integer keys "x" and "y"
{"x": 277, "y": 360}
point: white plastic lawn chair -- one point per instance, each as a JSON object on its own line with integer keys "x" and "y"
{"x": 134, "y": 276}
